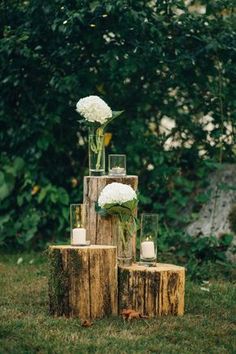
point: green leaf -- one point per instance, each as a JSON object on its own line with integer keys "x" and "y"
{"x": 132, "y": 204}
{"x": 20, "y": 199}
{"x": 102, "y": 212}
{"x": 93, "y": 5}
{"x": 65, "y": 213}
{"x": 63, "y": 196}
{"x": 145, "y": 199}
{"x": 202, "y": 198}
{"x": 4, "y": 219}
{"x": 18, "y": 165}
{"x": 1, "y": 178}
{"x": 54, "y": 198}
{"x": 42, "y": 194}
{"x": 116, "y": 209}
{"x": 5, "y": 191}
{"x": 226, "y": 239}
{"x": 115, "y": 114}
{"x": 43, "y": 143}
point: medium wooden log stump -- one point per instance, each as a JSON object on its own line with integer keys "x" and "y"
{"x": 100, "y": 230}
{"x": 82, "y": 281}
{"x": 152, "y": 291}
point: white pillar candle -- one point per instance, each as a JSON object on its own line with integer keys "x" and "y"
{"x": 78, "y": 236}
{"x": 147, "y": 249}
{"x": 117, "y": 171}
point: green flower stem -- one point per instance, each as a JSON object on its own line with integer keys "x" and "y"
{"x": 128, "y": 228}
{"x": 96, "y": 143}
{"x": 123, "y": 238}
{"x": 100, "y": 143}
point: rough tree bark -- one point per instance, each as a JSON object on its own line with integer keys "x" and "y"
{"x": 152, "y": 291}
{"x": 102, "y": 230}
{"x": 82, "y": 281}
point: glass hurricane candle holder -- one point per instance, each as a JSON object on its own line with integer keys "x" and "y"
{"x": 148, "y": 239}
{"x": 77, "y": 225}
{"x": 117, "y": 165}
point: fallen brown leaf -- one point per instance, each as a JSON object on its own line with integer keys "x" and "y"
{"x": 86, "y": 323}
{"x": 126, "y": 312}
{"x": 134, "y": 315}
{"x": 129, "y": 314}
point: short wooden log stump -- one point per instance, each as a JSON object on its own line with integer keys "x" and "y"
{"x": 82, "y": 281}
{"x": 153, "y": 291}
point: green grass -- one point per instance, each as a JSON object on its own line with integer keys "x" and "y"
{"x": 208, "y": 326}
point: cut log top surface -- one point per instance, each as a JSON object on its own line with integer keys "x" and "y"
{"x": 93, "y": 247}
{"x": 158, "y": 268}
{"x": 112, "y": 177}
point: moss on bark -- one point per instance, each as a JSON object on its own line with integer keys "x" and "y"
{"x": 58, "y": 282}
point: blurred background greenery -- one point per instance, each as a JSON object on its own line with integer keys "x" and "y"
{"x": 169, "y": 64}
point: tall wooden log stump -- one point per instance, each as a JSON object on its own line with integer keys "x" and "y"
{"x": 82, "y": 281}
{"x": 152, "y": 291}
{"x": 100, "y": 230}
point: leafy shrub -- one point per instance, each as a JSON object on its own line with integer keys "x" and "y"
{"x": 162, "y": 62}
{"x": 203, "y": 257}
{"x": 29, "y": 212}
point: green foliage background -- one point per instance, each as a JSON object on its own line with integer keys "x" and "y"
{"x": 153, "y": 59}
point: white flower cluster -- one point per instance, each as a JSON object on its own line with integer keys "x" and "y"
{"x": 116, "y": 193}
{"x": 94, "y": 109}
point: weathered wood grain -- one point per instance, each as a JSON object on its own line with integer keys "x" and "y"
{"x": 82, "y": 281}
{"x": 152, "y": 291}
{"x": 102, "y": 230}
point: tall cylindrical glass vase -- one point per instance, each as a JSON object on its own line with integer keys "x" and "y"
{"x": 96, "y": 155}
{"x": 124, "y": 246}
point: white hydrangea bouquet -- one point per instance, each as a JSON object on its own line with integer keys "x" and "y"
{"x": 120, "y": 200}
{"x": 97, "y": 115}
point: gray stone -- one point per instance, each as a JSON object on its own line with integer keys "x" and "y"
{"x": 213, "y": 217}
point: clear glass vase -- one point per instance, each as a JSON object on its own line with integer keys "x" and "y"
{"x": 124, "y": 246}
{"x": 96, "y": 155}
